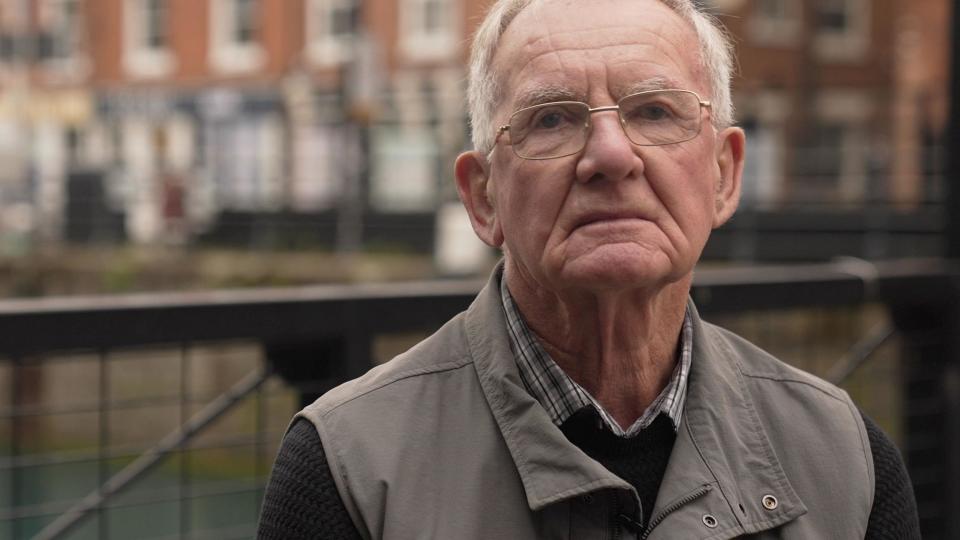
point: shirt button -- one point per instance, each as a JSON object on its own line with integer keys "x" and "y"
{"x": 770, "y": 502}
{"x": 588, "y": 499}
{"x": 709, "y": 521}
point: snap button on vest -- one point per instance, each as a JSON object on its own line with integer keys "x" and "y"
{"x": 709, "y": 521}
{"x": 770, "y": 502}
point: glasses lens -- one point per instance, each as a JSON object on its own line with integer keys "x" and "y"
{"x": 549, "y": 130}
{"x": 661, "y": 117}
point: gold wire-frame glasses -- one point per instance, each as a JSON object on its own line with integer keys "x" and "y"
{"x": 559, "y": 129}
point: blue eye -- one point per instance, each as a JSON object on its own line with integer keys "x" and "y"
{"x": 653, "y": 112}
{"x": 550, "y": 120}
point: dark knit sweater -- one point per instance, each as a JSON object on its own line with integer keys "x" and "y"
{"x": 640, "y": 460}
{"x": 302, "y": 502}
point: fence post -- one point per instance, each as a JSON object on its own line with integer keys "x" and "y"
{"x": 951, "y": 142}
{"x": 313, "y": 367}
{"x": 317, "y": 365}
{"x": 931, "y": 376}
{"x": 951, "y": 370}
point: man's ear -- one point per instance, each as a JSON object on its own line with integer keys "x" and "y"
{"x": 473, "y": 183}
{"x": 731, "y": 147}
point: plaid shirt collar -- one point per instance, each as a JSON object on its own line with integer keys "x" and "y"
{"x": 561, "y": 396}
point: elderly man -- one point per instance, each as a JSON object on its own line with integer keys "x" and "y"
{"x": 580, "y": 395}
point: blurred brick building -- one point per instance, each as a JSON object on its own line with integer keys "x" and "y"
{"x": 843, "y": 99}
{"x": 207, "y": 117}
{"x": 193, "y": 109}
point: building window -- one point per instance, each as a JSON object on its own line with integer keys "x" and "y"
{"x": 832, "y": 15}
{"x": 11, "y": 25}
{"x": 245, "y": 158}
{"x": 842, "y": 29}
{"x": 831, "y": 167}
{"x": 155, "y": 24}
{"x": 824, "y": 166}
{"x": 405, "y": 162}
{"x": 775, "y": 22}
{"x": 331, "y": 29}
{"x": 429, "y": 29}
{"x": 244, "y": 26}
{"x": 147, "y": 51}
{"x": 61, "y": 35}
{"x": 64, "y": 28}
{"x": 235, "y": 46}
{"x": 324, "y": 155}
{"x": 762, "y": 173}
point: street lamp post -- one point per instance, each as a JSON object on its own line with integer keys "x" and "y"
{"x": 359, "y": 82}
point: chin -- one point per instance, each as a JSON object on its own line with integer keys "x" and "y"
{"x": 620, "y": 271}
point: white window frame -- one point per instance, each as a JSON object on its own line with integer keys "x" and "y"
{"x": 323, "y": 47}
{"x": 74, "y": 64}
{"x": 12, "y": 20}
{"x": 850, "y": 111}
{"x": 765, "y": 177}
{"x": 852, "y": 42}
{"x": 783, "y": 30}
{"x": 140, "y": 59}
{"x": 226, "y": 55}
{"x": 441, "y": 44}
{"x": 404, "y": 178}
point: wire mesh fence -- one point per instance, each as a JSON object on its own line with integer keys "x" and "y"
{"x": 176, "y": 440}
{"x": 74, "y": 422}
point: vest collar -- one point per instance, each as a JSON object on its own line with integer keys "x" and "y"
{"x": 550, "y": 467}
{"x": 720, "y": 443}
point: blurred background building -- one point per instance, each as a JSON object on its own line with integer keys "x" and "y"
{"x": 278, "y": 122}
{"x": 333, "y": 124}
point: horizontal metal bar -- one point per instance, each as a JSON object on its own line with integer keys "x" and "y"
{"x": 93, "y": 455}
{"x": 136, "y": 352}
{"x": 198, "y": 490}
{"x": 239, "y": 532}
{"x": 25, "y": 411}
{"x": 819, "y": 218}
{"x": 29, "y": 327}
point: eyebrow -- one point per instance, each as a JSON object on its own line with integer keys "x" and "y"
{"x": 545, "y": 94}
{"x": 646, "y": 85}
{"x": 552, "y": 93}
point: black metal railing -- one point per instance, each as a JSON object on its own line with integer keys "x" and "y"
{"x": 158, "y": 415}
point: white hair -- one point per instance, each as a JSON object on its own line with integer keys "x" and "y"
{"x": 483, "y": 90}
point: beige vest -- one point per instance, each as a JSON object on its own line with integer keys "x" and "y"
{"x": 444, "y": 442}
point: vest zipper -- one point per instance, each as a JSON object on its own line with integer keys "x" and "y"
{"x": 673, "y": 507}
{"x": 616, "y": 512}
{"x": 620, "y": 518}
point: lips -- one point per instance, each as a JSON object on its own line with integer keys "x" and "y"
{"x": 599, "y": 217}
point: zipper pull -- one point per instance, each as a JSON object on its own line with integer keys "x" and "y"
{"x": 629, "y": 523}
{"x": 704, "y": 489}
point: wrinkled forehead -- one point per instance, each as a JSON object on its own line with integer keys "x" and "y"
{"x": 576, "y": 47}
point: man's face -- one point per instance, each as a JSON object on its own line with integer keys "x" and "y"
{"x": 614, "y": 216}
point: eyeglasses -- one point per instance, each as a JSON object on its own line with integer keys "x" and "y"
{"x": 559, "y": 129}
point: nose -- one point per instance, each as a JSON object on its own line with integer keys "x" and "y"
{"x": 608, "y": 153}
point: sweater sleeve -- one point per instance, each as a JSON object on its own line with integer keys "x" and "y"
{"x": 301, "y": 499}
{"x": 894, "y": 512}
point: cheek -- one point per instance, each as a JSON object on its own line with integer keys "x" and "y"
{"x": 531, "y": 202}
{"x": 688, "y": 192}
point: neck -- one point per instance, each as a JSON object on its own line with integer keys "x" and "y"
{"x": 620, "y": 346}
